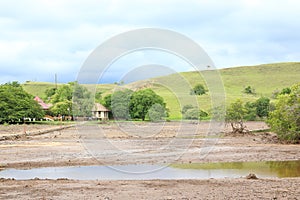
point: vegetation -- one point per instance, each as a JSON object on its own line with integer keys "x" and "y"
{"x": 285, "y": 118}
{"x": 234, "y": 79}
{"x": 198, "y": 90}
{"x": 70, "y": 99}
{"x": 249, "y": 90}
{"x": 157, "y": 112}
{"x": 142, "y": 101}
{"x": 235, "y": 116}
{"x": 120, "y": 103}
{"x": 16, "y": 104}
{"x": 192, "y": 112}
{"x": 126, "y": 104}
{"x": 262, "y": 107}
{"x": 238, "y": 112}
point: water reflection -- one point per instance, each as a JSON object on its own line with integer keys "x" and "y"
{"x": 285, "y": 168}
{"x": 282, "y": 169}
{"x": 269, "y": 169}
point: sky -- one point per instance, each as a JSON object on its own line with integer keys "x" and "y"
{"x": 41, "y": 38}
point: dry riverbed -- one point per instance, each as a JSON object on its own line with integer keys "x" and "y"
{"x": 143, "y": 143}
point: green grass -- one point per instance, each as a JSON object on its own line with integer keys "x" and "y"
{"x": 175, "y": 88}
{"x": 265, "y": 79}
{"x": 38, "y": 88}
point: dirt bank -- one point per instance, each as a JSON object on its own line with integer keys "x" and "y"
{"x": 111, "y": 144}
{"x": 155, "y": 189}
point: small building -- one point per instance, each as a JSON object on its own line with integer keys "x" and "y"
{"x": 44, "y": 105}
{"x": 99, "y": 112}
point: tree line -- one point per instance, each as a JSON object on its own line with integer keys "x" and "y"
{"x": 143, "y": 104}
{"x": 283, "y": 116}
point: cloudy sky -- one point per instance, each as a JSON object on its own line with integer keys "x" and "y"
{"x": 41, "y": 38}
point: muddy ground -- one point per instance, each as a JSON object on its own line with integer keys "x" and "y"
{"x": 147, "y": 143}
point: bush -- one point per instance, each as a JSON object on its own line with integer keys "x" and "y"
{"x": 198, "y": 90}
{"x": 192, "y": 112}
{"x": 157, "y": 112}
{"x": 284, "y": 120}
{"x": 249, "y": 90}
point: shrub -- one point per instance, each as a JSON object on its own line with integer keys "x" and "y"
{"x": 284, "y": 120}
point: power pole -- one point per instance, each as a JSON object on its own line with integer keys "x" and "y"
{"x": 56, "y": 81}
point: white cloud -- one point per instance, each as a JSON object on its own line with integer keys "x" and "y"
{"x": 38, "y": 38}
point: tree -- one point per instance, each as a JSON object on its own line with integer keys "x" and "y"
{"x": 98, "y": 97}
{"x": 262, "y": 107}
{"x": 62, "y": 108}
{"x": 63, "y": 93}
{"x": 193, "y": 112}
{"x": 141, "y": 101}
{"x": 235, "y": 115}
{"x": 120, "y": 103}
{"x": 284, "y": 120}
{"x": 50, "y": 92}
{"x": 249, "y": 90}
{"x": 16, "y": 104}
{"x": 72, "y": 95}
{"x": 107, "y": 101}
{"x": 157, "y": 112}
{"x": 250, "y": 114}
{"x": 186, "y": 107}
{"x": 82, "y": 100}
{"x": 286, "y": 91}
{"x": 198, "y": 90}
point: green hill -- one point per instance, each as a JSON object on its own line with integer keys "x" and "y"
{"x": 175, "y": 88}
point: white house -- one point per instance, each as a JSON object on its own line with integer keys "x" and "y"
{"x": 100, "y": 112}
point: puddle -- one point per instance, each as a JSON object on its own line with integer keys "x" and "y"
{"x": 269, "y": 169}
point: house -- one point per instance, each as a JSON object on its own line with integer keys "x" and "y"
{"x": 44, "y": 105}
{"x": 99, "y": 112}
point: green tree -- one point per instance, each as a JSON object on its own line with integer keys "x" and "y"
{"x": 157, "y": 112}
{"x": 50, "y": 92}
{"x": 186, "y": 107}
{"x": 63, "y": 93}
{"x": 235, "y": 116}
{"x": 98, "y": 97}
{"x": 107, "y": 101}
{"x": 62, "y": 108}
{"x": 120, "y": 103}
{"x": 199, "y": 89}
{"x": 193, "y": 112}
{"x": 250, "y": 108}
{"x": 82, "y": 100}
{"x": 284, "y": 120}
{"x": 262, "y": 107}
{"x": 16, "y": 104}
{"x": 141, "y": 101}
{"x": 286, "y": 91}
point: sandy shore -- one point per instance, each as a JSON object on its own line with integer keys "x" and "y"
{"x": 154, "y": 189}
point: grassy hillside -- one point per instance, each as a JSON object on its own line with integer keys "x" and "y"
{"x": 38, "y": 88}
{"x": 175, "y": 88}
{"x": 265, "y": 79}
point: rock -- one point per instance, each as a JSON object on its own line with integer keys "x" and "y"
{"x": 251, "y": 176}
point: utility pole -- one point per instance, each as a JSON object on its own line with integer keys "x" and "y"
{"x": 55, "y": 80}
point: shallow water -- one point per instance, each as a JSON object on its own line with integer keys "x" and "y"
{"x": 269, "y": 169}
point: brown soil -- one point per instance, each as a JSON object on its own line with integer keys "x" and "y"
{"x": 147, "y": 143}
